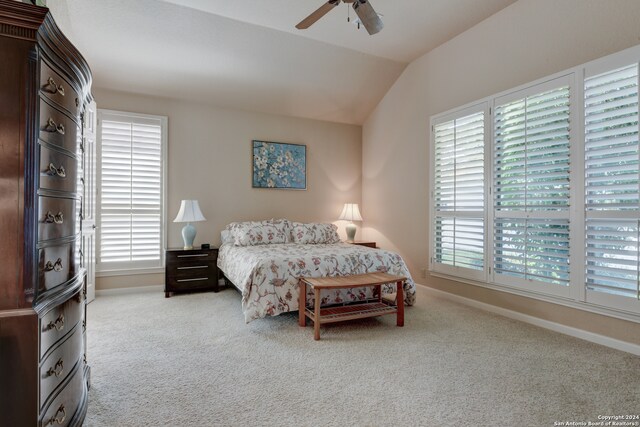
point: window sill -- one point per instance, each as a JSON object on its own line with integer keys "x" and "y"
{"x": 131, "y": 272}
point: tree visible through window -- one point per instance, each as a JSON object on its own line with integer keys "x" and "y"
{"x": 531, "y": 183}
{"x": 612, "y": 182}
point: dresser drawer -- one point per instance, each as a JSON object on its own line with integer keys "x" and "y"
{"x": 58, "y": 171}
{"x": 57, "y": 128}
{"x": 55, "y": 368}
{"x": 62, "y": 409}
{"x": 58, "y": 90}
{"x": 57, "y": 218}
{"x": 59, "y": 321}
{"x": 57, "y": 264}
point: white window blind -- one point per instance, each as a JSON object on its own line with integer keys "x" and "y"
{"x": 130, "y": 233}
{"x": 531, "y": 169}
{"x": 459, "y": 193}
{"x": 612, "y": 184}
{"x": 563, "y": 176}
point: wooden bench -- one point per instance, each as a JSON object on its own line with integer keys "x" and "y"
{"x": 353, "y": 311}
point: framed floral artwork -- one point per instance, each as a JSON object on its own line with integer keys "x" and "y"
{"x": 279, "y": 165}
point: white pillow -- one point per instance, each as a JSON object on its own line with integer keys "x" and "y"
{"x": 225, "y": 236}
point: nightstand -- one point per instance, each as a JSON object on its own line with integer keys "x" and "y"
{"x": 367, "y": 244}
{"x": 191, "y": 270}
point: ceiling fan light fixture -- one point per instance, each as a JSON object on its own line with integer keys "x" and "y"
{"x": 368, "y": 16}
{"x": 358, "y": 22}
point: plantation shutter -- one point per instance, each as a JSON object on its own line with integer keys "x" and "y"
{"x": 131, "y": 193}
{"x": 531, "y": 169}
{"x": 458, "y": 195}
{"x": 612, "y": 185}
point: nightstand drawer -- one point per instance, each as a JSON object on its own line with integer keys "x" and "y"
{"x": 191, "y": 256}
{"x": 192, "y": 269}
{"x": 200, "y": 281}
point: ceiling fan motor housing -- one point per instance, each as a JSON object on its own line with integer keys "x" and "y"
{"x": 367, "y": 16}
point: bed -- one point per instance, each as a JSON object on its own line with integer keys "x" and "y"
{"x": 267, "y": 273}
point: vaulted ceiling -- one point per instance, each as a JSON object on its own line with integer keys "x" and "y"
{"x": 249, "y": 55}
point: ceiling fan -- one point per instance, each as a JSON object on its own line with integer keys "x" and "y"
{"x": 368, "y": 17}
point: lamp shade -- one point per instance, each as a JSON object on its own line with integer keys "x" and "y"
{"x": 350, "y": 212}
{"x": 189, "y": 212}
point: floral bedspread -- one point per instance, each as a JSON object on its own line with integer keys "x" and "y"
{"x": 268, "y": 274}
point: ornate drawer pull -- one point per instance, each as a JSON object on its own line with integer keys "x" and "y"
{"x": 56, "y": 88}
{"x": 58, "y": 323}
{"x": 56, "y": 266}
{"x": 55, "y": 419}
{"x": 57, "y": 370}
{"x": 53, "y": 127}
{"x": 50, "y": 218}
{"x": 54, "y": 171}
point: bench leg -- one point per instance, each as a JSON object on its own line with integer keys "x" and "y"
{"x": 316, "y": 311}
{"x": 379, "y": 290}
{"x": 302, "y": 303}
{"x": 400, "y": 303}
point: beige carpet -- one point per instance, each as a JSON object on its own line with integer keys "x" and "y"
{"x": 192, "y": 361}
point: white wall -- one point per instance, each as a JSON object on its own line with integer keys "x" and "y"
{"x": 210, "y": 159}
{"x": 525, "y": 41}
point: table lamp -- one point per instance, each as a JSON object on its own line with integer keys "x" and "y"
{"x": 351, "y": 213}
{"x": 189, "y": 212}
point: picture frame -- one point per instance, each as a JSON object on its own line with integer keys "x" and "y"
{"x": 279, "y": 165}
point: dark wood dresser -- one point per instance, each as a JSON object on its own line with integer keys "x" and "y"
{"x": 191, "y": 270}
{"x": 44, "y": 87}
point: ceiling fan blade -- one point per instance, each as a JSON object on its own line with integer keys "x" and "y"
{"x": 368, "y": 16}
{"x": 319, "y": 13}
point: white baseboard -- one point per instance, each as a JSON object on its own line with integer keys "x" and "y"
{"x": 547, "y": 324}
{"x": 131, "y": 290}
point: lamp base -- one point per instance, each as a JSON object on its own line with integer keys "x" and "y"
{"x": 188, "y": 235}
{"x": 351, "y": 232}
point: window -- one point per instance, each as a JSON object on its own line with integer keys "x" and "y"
{"x": 459, "y": 193}
{"x": 558, "y": 161}
{"x": 612, "y": 186}
{"x": 130, "y": 191}
{"x": 531, "y": 187}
